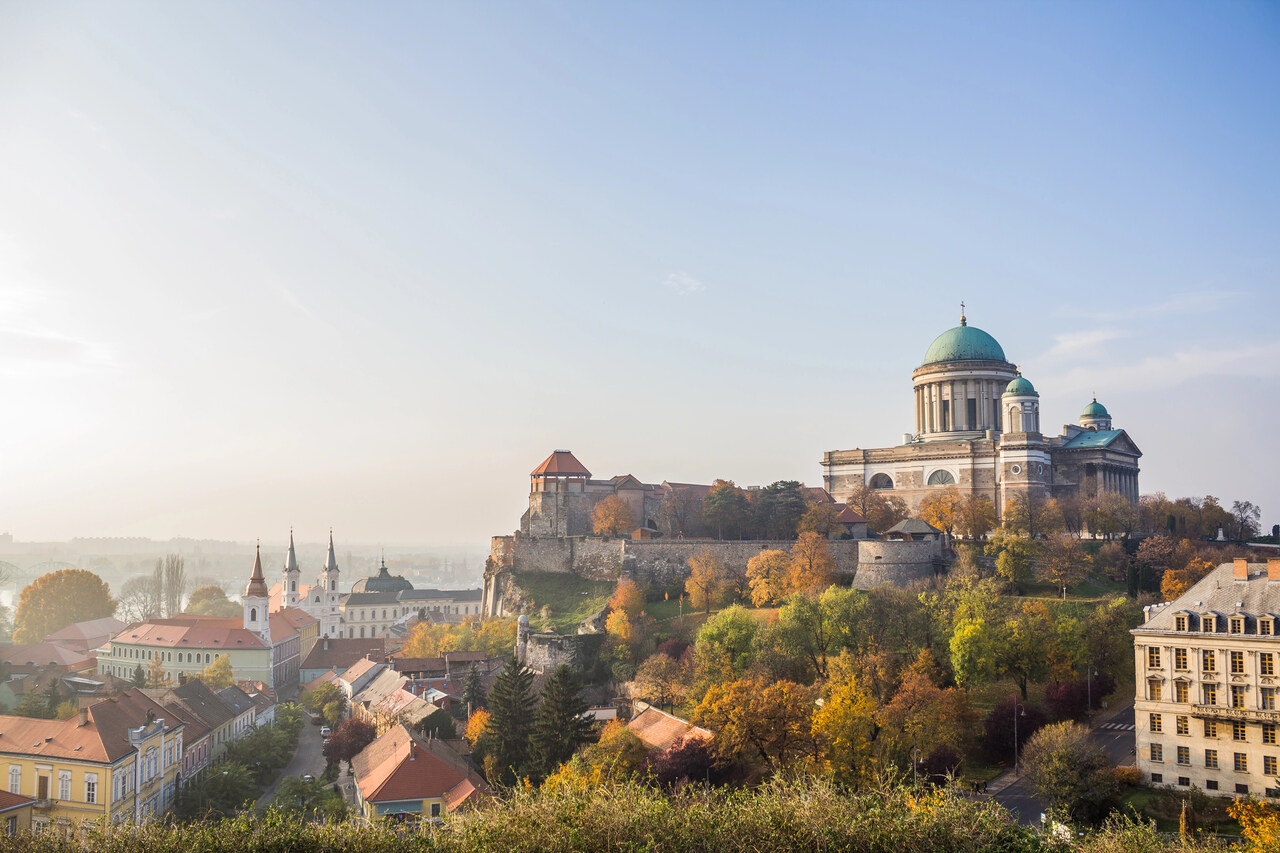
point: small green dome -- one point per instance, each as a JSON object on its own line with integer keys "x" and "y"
{"x": 1095, "y": 410}
{"x": 963, "y": 343}
{"x": 1019, "y": 387}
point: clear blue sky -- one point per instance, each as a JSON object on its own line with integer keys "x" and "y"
{"x": 365, "y": 265}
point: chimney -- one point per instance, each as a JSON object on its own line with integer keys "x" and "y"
{"x": 1273, "y": 568}
{"x": 1240, "y": 570}
{"x": 84, "y": 716}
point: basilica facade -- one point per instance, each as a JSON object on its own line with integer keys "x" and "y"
{"x": 977, "y": 427}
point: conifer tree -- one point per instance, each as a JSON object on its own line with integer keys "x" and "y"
{"x": 473, "y": 690}
{"x": 511, "y": 710}
{"x": 559, "y": 726}
{"x": 139, "y": 676}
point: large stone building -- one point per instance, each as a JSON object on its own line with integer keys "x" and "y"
{"x": 380, "y": 603}
{"x": 1206, "y": 681}
{"x": 977, "y": 427}
{"x": 322, "y": 599}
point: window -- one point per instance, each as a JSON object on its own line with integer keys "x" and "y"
{"x": 1208, "y": 661}
{"x": 1180, "y": 623}
{"x": 1157, "y": 752}
{"x": 1211, "y": 759}
{"x": 1237, "y": 663}
{"x": 1266, "y": 663}
{"x": 1239, "y": 732}
{"x": 1157, "y": 778}
{"x": 1264, "y": 628}
{"x": 1237, "y": 696}
{"x": 882, "y": 481}
{"x": 435, "y": 810}
{"x": 1242, "y": 789}
{"x": 1242, "y": 763}
{"x": 1184, "y": 755}
{"x": 1237, "y": 625}
{"x": 1269, "y": 765}
{"x": 1267, "y": 699}
{"x": 11, "y": 826}
{"x": 1211, "y": 785}
{"x": 1153, "y": 691}
{"x": 15, "y": 779}
{"x": 1184, "y": 726}
{"x": 941, "y": 478}
{"x": 64, "y": 784}
{"x": 1153, "y": 657}
{"x": 1184, "y": 781}
{"x": 91, "y": 787}
{"x": 1269, "y": 733}
{"x": 1180, "y": 659}
{"x": 1209, "y": 694}
{"x": 1180, "y": 692}
{"x": 1155, "y": 722}
{"x": 1208, "y": 622}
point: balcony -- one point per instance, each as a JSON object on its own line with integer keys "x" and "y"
{"x": 1219, "y": 712}
{"x": 44, "y": 803}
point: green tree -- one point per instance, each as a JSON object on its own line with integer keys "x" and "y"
{"x": 559, "y": 725}
{"x": 728, "y": 637}
{"x": 55, "y": 600}
{"x": 1062, "y": 561}
{"x": 439, "y": 723}
{"x": 211, "y": 600}
{"x": 510, "y": 705}
{"x": 139, "y": 676}
{"x": 973, "y": 652}
{"x": 218, "y": 675}
{"x": 1108, "y": 645}
{"x": 326, "y": 700}
{"x": 473, "y": 689}
{"x": 845, "y": 724}
{"x": 35, "y": 705}
{"x": 1015, "y": 556}
{"x": 1021, "y": 653}
{"x": 726, "y": 509}
{"x": 1070, "y": 772}
{"x": 778, "y": 509}
{"x": 819, "y": 626}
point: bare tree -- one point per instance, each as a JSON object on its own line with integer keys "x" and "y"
{"x": 175, "y": 584}
{"x": 139, "y": 599}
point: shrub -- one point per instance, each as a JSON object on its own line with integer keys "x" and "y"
{"x": 1130, "y": 777}
{"x": 997, "y": 735}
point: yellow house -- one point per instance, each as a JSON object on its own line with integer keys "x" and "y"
{"x": 405, "y": 777}
{"x": 118, "y": 760}
{"x": 15, "y": 813}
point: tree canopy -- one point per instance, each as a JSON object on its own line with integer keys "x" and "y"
{"x": 55, "y": 600}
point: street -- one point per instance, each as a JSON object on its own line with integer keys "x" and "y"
{"x": 307, "y": 758}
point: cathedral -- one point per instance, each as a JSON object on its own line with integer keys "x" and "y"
{"x": 323, "y": 601}
{"x": 977, "y": 427}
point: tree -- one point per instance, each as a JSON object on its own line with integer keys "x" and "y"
{"x": 1015, "y": 555}
{"x": 1033, "y": 513}
{"x": 1246, "y": 520}
{"x": 662, "y": 680}
{"x": 728, "y": 637}
{"x": 312, "y": 799}
{"x": 706, "y": 581}
{"x": 211, "y": 600}
{"x": 218, "y": 675}
{"x": 560, "y": 724}
{"x": 510, "y": 712}
{"x": 942, "y": 508}
{"x": 812, "y": 566}
{"x": 998, "y": 730}
{"x": 973, "y": 652}
{"x": 767, "y": 575}
{"x": 726, "y": 509}
{"x": 1259, "y": 823}
{"x": 673, "y": 511}
{"x": 881, "y": 510}
{"x": 55, "y": 600}
{"x": 140, "y": 600}
{"x": 157, "y": 677}
{"x": 922, "y": 717}
{"x": 139, "y": 677}
{"x": 1108, "y": 645}
{"x": 771, "y": 719}
{"x": 326, "y": 700}
{"x": 175, "y": 584}
{"x": 349, "y": 740}
{"x": 628, "y": 598}
{"x": 473, "y": 689}
{"x": 778, "y": 509}
{"x": 977, "y": 516}
{"x": 1177, "y": 581}
{"x": 35, "y": 704}
{"x": 816, "y": 627}
{"x": 845, "y": 725}
{"x": 1070, "y": 772}
{"x": 439, "y": 724}
{"x": 1021, "y": 653}
{"x": 612, "y": 517}
{"x": 821, "y": 518}
{"x": 1063, "y": 561}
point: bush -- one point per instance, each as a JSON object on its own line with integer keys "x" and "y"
{"x": 1130, "y": 777}
{"x": 997, "y": 726}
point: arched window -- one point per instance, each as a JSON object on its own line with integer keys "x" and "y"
{"x": 253, "y": 614}
{"x": 941, "y": 478}
{"x": 293, "y": 586}
{"x": 362, "y": 632}
{"x": 882, "y": 481}
{"x": 333, "y": 586}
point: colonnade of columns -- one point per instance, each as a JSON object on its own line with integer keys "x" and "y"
{"x": 1123, "y": 481}
{"x": 930, "y": 396}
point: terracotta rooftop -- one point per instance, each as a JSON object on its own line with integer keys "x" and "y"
{"x": 197, "y": 698}
{"x": 326, "y": 677}
{"x": 89, "y": 634}
{"x": 290, "y": 620}
{"x": 104, "y": 738}
{"x": 13, "y": 801}
{"x": 849, "y": 515}
{"x": 275, "y": 596}
{"x": 660, "y": 730}
{"x": 340, "y": 653}
{"x": 400, "y": 766}
{"x": 195, "y": 727}
{"x": 561, "y": 463}
{"x": 192, "y": 632}
{"x": 43, "y": 654}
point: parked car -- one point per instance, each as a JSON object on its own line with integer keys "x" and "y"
{"x": 324, "y": 732}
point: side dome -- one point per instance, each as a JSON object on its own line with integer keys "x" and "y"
{"x": 1095, "y": 410}
{"x": 1019, "y": 387}
{"x": 963, "y": 343}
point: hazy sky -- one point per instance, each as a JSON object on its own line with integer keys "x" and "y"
{"x": 366, "y": 265}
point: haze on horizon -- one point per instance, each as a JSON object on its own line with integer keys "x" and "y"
{"x": 324, "y": 264}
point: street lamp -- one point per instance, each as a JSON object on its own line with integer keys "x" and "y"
{"x": 1018, "y": 711}
{"x": 1089, "y": 694}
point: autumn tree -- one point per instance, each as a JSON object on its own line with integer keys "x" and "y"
{"x": 881, "y": 509}
{"x": 941, "y": 508}
{"x": 325, "y": 700}
{"x": 845, "y": 724}
{"x": 752, "y": 716}
{"x": 218, "y": 675}
{"x": 1062, "y": 561}
{"x": 1246, "y": 518}
{"x": 706, "y": 582}
{"x": 922, "y": 717}
{"x": 55, "y": 600}
{"x": 1070, "y": 771}
{"x": 821, "y": 518}
{"x": 627, "y": 597}
{"x": 1015, "y": 557}
{"x": 812, "y": 566}
{"x": 349, "y": 740}
{"x": 976, "y": 516}
{"x": 1177, "y": 581}
{"x": 767, "y": 575}
{"x": 674, "y": 510}
{"x": 815, "y": 627}
{"x": 156, "y": 676}
{"x": 726, "y": 509}
{"x": 973, "y": 652}
{"x": 612, "y": 517}
{"x": 211, "y": 600}
{"x": 1021, "y": 653}
{"x": 1032, "y": 513}
{"x": 662, "y": 680}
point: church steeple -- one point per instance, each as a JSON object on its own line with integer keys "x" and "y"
{"x": 330, "y": 617}
{"x": 331, "y": 561}
{"x": 290, "y": 576}
{"x": 256, "y": 618}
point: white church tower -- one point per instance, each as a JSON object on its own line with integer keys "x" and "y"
{"x": 255, "y": 598}
{"x": 290, "y": 577}
{"x": 329, "y": 614}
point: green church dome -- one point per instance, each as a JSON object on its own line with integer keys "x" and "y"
{"x": 1019, "y": 386}
{"x": 963, "y": 343}
{"x": 1095, "y": 410}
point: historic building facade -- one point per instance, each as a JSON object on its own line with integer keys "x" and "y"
{"x": 321, "y": 599}
{"x": 1206, "y": 681}
{"x": 977, "y": 427}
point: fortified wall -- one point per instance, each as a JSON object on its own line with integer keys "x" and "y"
{"x": 665, "y": 563}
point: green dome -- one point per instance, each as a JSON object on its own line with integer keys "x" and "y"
{"x": 1095, "y": 410}
{"x": 1019, "y": 386}
{"x": 963, "y": 343}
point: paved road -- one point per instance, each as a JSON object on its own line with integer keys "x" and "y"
{"x": 306, "y": 759}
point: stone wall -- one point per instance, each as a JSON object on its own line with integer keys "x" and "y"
{"x": 890, "y": 563}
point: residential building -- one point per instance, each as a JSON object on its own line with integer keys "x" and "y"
{"x": 87, "y": 637}
{"x": 244, "y": 712}
{"x": 196, "y": 698}
{"x": 403, "y": 776}
{"x": 15, "y": 813}
{"x": 197, "y": 742}
{"x": 339, "y": 653}
{"x": 1207, "y": 676}
{"x": 354, "y": 678}
{"x": 660, "y": 730}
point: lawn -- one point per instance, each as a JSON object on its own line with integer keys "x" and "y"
{"x": 569, "y": 597}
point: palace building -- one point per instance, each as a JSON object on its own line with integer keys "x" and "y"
{"x": 977, "y": 427}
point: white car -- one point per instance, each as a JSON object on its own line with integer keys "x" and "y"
{"x": 324, "y": 732}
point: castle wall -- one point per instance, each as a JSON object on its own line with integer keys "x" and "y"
{"x": 892, "y": 563}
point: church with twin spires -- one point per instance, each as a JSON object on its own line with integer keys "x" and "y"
{"x": 977, "y": 427}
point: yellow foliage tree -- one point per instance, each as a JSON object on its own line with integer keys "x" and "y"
{"x": 812, "y": 566}
{"x": 706, "y": 582}
{"x": 157, "y": 677}
{"x": 618, "y": 626}
{"x": 612, "y": 517}
{"x": 771, "y": 718}
{"x": 1259, "y": 823}
{"x": 844, "y": 725}
{"x": 821, "y": 518}
{"x": 217, "y": 675}
{"x": 477, "y": 727}
{"x": 942, "y": 508}
{"x": 767, "y": 573}
{"x": 977, "y": 516}
{"x": 494, "y": 637}
{"x": 628, "y": 597}
{"x": 1177, "y": 581}
{"x": 55, "y": 600}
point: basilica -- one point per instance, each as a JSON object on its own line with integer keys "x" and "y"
{"x": 977, "y": 427}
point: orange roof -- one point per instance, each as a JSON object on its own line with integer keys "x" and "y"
{"x": 43, "y": 654}
{"x": 399, "y": 766}
{"x": 660, "y": 730}
{"x": 13, "y": 801}
{"x": 192, "y": 632}
{"x": 104, "y": 738}
{"x": 91, "y": 633}
{"x": 817, "y": 495}
{"x": 290, "y": 620}
{"x": 849, "y": 515}
{"x": 562, "y": 463}
{"x": 323, "y": 678}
